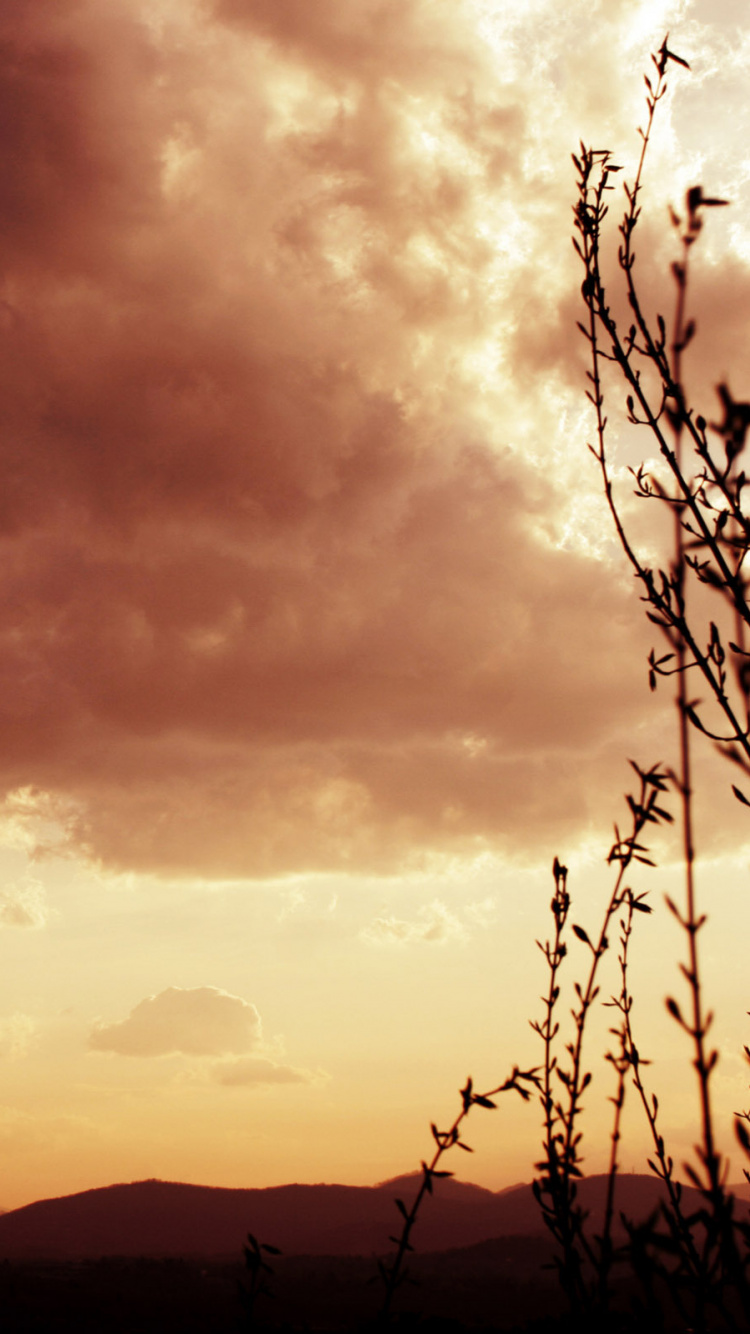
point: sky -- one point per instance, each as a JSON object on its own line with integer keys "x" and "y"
{"x": 315, "y": 644}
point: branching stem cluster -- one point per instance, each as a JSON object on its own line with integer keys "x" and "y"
{"x": 705, "y": 494}
{"x": 702, "y": 1258}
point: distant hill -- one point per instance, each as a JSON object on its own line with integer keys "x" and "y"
{"x": 162, "y": 1219}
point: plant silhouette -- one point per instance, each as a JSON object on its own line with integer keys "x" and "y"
{"x": 258, "y": 1271}
{"x": 394, "y": 1272}
{"x": 703, "y": 495}
{"x": 687, "y": 1266}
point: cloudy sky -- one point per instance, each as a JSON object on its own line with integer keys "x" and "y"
{"x": 314, "y": 643}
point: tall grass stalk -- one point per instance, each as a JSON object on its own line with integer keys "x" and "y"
{"x": 556, "y": 1189}
{"x": 394, "y": 1272}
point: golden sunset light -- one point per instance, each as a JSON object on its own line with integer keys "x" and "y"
{"x": 317, "y": 644}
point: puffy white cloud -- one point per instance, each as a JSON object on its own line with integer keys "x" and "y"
{"x": 198, "y": 1021}
{"x": 290, "y": 426}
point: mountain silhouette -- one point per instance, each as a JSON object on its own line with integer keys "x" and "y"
{"x": 162, "y": 1218}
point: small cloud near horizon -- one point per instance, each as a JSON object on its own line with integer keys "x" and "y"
{"x": 256, "y": 1070}
{"x": 198, "y": 1021}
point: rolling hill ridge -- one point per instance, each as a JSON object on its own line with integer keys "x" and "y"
{"x": 161, "y": 1218}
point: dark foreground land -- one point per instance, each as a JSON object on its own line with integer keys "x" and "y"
{"x": 166, "y": 1258}
{"x": 495, "y": 1285}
